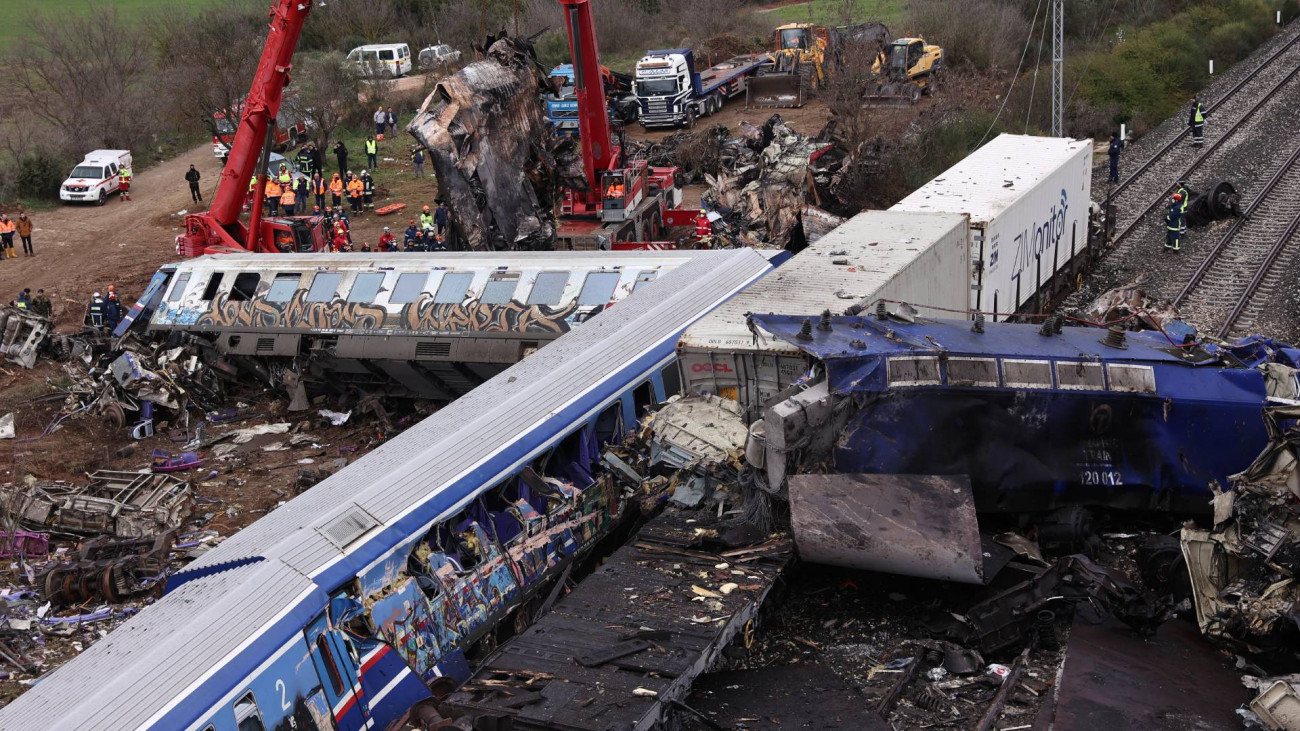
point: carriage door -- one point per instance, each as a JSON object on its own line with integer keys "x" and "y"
{"x": 338, "y": 674}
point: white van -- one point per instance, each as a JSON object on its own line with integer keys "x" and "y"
{"x": 94, "y": 178}
{"x": 382, "y": 59}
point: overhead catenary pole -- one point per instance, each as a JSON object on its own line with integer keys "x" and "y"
{"x": 1058, "y": 68}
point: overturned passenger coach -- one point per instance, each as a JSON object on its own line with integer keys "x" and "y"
{"x": 434, "y": 325}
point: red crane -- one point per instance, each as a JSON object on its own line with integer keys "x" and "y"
{"x": 219, "y": 230}
{"x": 625, "y": 205}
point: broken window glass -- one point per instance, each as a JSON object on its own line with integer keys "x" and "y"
{"x": 247, "y": 716}
{"x": 598, "y": 288}
{"x": 500, "y": 289}
{"x": 409, "y": 287}
{"x": 548, "y": 288}
{"x": 245, "y": 286}
{"x": 672, "y": 381}
{"x": 323, "y": 287}
{"x": 178, "y": 288}
{"x": 283, "y": 287}
{"x": 366, "y": 287}
{"x": 327, "y": 659}
{"x": 214, "y": 284}
{"x": 453, "y": 288}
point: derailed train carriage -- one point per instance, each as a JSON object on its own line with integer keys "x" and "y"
{"x": 434, "y": 325}
{"x": 340, "y": 608}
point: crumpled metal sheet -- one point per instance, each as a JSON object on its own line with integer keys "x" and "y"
{"x": 489, "y": 146}
{"x": 22, "y": 333}
{"x": 698, "y": 430}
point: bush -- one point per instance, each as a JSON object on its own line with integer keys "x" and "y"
{"x": 983, "y": 33}
{"x": 40, "y": 174}
{"x": 946, "y": 143}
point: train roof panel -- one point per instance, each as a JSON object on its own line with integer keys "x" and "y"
{"x": 870, "y": 248}
{"x": 433, "y": 260}
{"x": 130, "y": 676}
{"x": 986, "y": 182}
{"x": 402, "y": 478}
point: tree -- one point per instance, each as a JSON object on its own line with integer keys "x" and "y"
{"x": 852, "y": 79}
{"x": 212, "y": 58}
{"x": 89, "y": 76}
{"x": 327, "y": 87}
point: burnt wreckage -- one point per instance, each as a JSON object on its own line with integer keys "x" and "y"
{"x": 490, "y": 148}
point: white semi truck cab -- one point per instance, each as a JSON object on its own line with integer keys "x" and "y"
{"x": 671, "y": 93}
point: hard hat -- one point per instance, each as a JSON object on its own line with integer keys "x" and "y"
{"x": 1178, "y": 196}
{"x": 703, "y": 212}
{"x": 426, "y": 208}
{"x": 385, "y": 228}
{"x": 96, "y": 294}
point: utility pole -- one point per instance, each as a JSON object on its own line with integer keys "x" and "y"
{"x": 1058, "y": 68}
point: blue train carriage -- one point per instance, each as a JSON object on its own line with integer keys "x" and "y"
{"x": 345, "y": 606}
{"x": 1081, "y": 416}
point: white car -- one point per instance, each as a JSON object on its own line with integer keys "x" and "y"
{"x": 437, "y": 56}
{"x": 95, "y": 177}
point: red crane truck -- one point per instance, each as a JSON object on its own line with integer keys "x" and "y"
{"x": 219, "y": 230}
{"x": 626, "y": 204}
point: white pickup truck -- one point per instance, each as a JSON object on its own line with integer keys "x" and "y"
{"x": 95, "y": 177}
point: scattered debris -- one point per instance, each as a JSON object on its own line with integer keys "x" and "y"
{"x": 23, "y": 334}
{"x": 122, "y": 504}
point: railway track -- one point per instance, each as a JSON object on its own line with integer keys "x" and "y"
{"x": 1231, "y": 285}
{"x": 1152, "y": 182}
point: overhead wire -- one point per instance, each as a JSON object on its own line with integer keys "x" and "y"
{"x": 1038, "y": 65}
{"x": 1029, "y": 41}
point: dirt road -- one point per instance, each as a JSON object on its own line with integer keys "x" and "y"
{"x": 83, "y": 248}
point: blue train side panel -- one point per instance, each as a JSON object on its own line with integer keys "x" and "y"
{"x": 1037, "y": 421}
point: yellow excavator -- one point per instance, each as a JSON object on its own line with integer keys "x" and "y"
{"x": 906, "y": 69}
{"x": 803, "y": 57}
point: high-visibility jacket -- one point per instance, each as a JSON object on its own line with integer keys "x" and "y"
{"x": 21, "y": 303}
{"x": 6, "y": 227}
{"x": 426, "y": 220}
{"x": 252, "y": 184}
{"x": 1198, "y": 114}
{"x": 1174, "y": 219}
{"x": 354, "y": 188}
{"x": 336, "y": 185}
{"x": 273, "y": 189}
{"x": 371, "y": 147}
{"x": 288, "y": 198}
{"x": 285, "y": 178}
{"x": 124, "y": 175}
{"x": 318, "y": 186}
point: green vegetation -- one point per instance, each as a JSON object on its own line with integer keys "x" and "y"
{"x": 841, "y": 12}
{"x": 1149, "y": 72}
{"x": 942, "y": 146}
{"x": 14, "y": 15}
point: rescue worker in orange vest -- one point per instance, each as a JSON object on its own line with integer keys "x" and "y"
{"x": 288, "y": 200}
{"x": 124, "y": 182}
{"x": 318, "y": 188}
{"x": 615, "y": 189}
{"x": 336, "y": 190}
{"x": 273, "y": 192}
{"x": 7, "y": 229}
{"x": 703, "y": 227}
{"x": 355, "y": 189}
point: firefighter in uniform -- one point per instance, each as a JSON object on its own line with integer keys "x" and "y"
{"x": 426, "y": 219}
{"x": 1196, "y": 120}
{"x": 368, "y": 190}
{"x": 703, "y": 227}
{"x": 124, "y": 182}
{"x": 1181, "y": 189}
{"x": 1174, "y": 223}
{"x": 96, "y": 312}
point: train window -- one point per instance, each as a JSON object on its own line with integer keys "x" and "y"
{"x": 672, "y": 380}
{"x": 323, "y": 287}
{"x": 248, "y": 717}
{"x": 327, "y": 659}
{"x": 500, "y": 288}
{"x": 548, "y": 288}
{"x": 453, "y": 288}
{"x": 644, "y": 278}
{"x": 283, "y": 287}
{"x": 214, "y": 284}
{"x": 609, "y": 425}
{"x": 918, "y": 371}
{"x": 643, "y": 399}
{"x": 178, "y": 288}
{"x": 598, "y": 288}
{"x": 245, "y": 286}
{"x": 366, "y": 287}
{"x": 409, "y": 287}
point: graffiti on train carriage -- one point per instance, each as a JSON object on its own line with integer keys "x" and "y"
{"x": 297, "y": 313}
{"x": 426, "y": 315}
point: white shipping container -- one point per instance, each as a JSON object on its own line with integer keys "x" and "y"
{"x": 1027, "y": 198}
{"x": 920, "y": 258}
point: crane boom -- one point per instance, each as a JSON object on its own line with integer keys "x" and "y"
{"x": 593, "y": 116}
{"x": 219, "y": 228}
